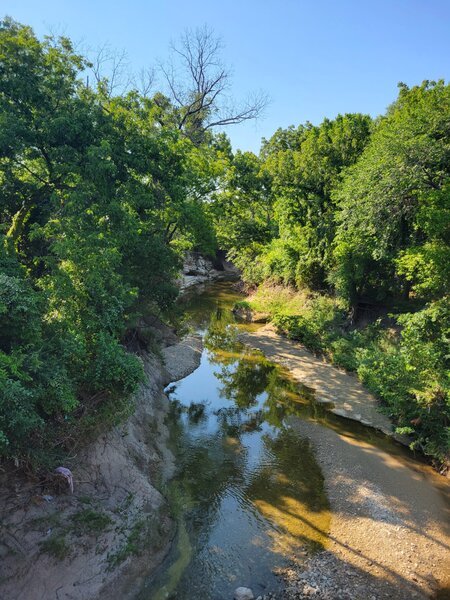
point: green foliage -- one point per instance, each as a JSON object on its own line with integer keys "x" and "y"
{"x": 411, "y": 376}
{"x": 426, "y": 264}
{"x": 98, "y": 200}
{"x": 241, "y": 208}
{"x": 300, "y": 328}
{"x": 279, "y": 260}
{"x": 91, "y": 521}
{"x": 394, "y": 201}
{"x": 303, "y": 176}
{"x": 316, "y": 327}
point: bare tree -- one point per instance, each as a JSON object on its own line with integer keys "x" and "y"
{"x": 111, "y": 69}
{"x": 199, "y": 84}
{"x": 143, "y": 82}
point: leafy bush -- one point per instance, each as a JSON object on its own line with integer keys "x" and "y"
{"x": 411, "y": 377}
{"x": 303, "y": 329}
{"x": 317, "y": 325}
{"x": 279, "y": 261}
{"x": 343, "y": 353}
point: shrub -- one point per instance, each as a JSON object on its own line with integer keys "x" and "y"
{"x": 303, "y": 329}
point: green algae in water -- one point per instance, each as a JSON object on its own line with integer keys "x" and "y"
{"x": 179, "y": 564}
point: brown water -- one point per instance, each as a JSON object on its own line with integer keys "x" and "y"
{"x": 248, "y": 496}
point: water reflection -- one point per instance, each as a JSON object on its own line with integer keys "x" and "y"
{"x": 248, "y": 495}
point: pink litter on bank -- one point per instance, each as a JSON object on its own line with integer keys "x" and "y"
{"x": 67, "y": 474}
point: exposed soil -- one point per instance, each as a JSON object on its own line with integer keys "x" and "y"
{"x": 114, "y": 530}
{"x": 55, "y": 544}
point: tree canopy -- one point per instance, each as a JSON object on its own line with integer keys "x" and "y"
{"x": 102, "y": 194}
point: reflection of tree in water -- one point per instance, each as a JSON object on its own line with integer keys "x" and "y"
{"x": 234, "y": 420}
{"x": 292, "y": 462}
{"x": 245, "y": 380}
{"x": 207, "y": 465}
{"x": 287, "y": 487}
{"x": 196, "y": 310}
{"x": 221, "y": 337}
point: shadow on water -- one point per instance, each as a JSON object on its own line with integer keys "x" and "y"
{"x": 249, "y": 496}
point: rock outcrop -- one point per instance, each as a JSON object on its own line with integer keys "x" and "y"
{"x": 199, "y": 269}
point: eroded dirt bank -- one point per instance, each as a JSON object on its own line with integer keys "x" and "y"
{"x": 114, "y": 530}
{"x": 390, "y": 533}
{"x": 102, "y": 541}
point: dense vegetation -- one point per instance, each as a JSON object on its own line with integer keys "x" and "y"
{"x": 98, "y": 200}
{"x": 355, "y": 215}
{"x": 343, "y": 227}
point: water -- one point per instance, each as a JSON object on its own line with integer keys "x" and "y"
{"x": 248, "y": 497}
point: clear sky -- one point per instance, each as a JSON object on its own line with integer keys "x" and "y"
{"x": 315, "y": 58}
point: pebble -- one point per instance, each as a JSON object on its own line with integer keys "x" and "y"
{"x": 326, "y": 577}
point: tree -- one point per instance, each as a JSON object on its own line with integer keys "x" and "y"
{"x": 382, "y": 199}
{"x": 95, "y": 196}
{"x": 305, "y": 165}
{"x": 198, "y": 83}
{"x": 241, "y": 208}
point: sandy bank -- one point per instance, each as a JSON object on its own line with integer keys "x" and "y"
{"x": 346, "y": 396}
{"x": 390, "y": 529}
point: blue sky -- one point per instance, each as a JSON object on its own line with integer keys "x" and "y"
{"x": 314, "y": 58}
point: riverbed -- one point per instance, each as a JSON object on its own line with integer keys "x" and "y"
{"x": 252, "y": 446}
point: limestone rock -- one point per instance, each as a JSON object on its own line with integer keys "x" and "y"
{"x": 243, "y": 593}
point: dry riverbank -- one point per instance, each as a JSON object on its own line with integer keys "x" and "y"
{"x": 344, "y": 394}
{"x": 104, "y": 539}
{"x": 390, "y": 533}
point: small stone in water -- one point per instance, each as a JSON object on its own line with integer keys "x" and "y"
{"x": 243, "y": 593}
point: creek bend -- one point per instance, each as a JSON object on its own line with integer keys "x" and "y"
{"x": 248, "y": 496}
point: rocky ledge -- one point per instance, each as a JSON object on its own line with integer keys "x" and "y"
{"x": 199, "y": 269}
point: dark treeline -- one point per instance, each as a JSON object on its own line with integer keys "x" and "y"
{"x": 101, "y": 195}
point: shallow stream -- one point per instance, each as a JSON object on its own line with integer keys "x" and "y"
{"x": 249, "y": 496}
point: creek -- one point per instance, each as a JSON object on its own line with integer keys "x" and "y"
{"x": 249, "y": 495}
